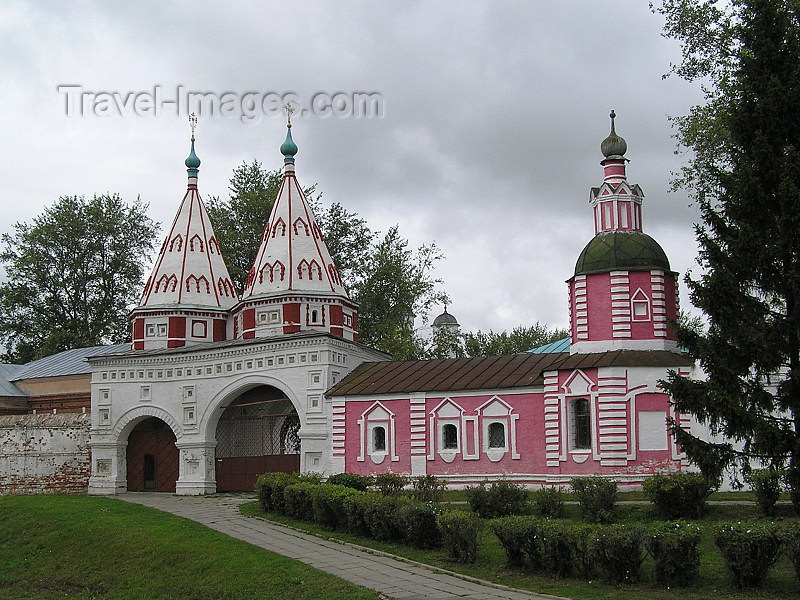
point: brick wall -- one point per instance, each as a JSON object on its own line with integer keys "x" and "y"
{"x": 44, "y": 453}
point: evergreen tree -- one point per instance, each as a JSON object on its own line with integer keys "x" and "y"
{"x": 72, "y": 276}
{"x": 745, "y": 178}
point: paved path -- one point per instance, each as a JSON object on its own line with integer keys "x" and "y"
{"x": 393, "y": 577}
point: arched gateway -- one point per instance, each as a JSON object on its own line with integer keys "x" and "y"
{"x": 258, "y": 432}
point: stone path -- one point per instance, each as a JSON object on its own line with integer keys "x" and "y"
{"x": 392, "y": 576}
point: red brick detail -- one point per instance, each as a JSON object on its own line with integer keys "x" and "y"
{"x": 220, "y": 330}
{"x": 336, "y": 317}
{"x": 176, "y": 332}
{"x": 138, "y": 330}
{"x": 291, "y": 317}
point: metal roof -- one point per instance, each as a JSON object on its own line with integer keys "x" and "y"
{"x": 493, "y": 372}
{"x": 7, "y": 373}
{"x": 69, "y": 362}
{"x": 557, "y": 346}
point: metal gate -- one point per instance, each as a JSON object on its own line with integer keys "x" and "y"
{"x": 152, "y": 457}
{"x": 256, "y": 434}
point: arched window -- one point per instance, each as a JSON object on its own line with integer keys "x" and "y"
{"x": 497, "y": 435}
{"x": 581, "y": 424}
{"x": 450, "y": 437}
{"x": 379, "y": 439}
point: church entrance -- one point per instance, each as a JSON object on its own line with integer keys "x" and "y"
{"x": 152, "y": 457}
{"x": 257, "y": 433}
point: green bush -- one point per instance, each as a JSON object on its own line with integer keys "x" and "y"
{"x": 310, "y": 477}
{"x": 748, "y": 549}
{"x": 766, "y": 484}
{"x": 381, "y": 516}
{"x": 519, "y": 537}
{"x": 351, "y": 480}
{"x": 269, "y": 488}
{"x": 328, "y": 505}
{"x": 597, "y": 497}
{"x": 563, "y": 549}
{"x": 298, "y": 499}
{"x": 617, "y": 552}
{"x": 428, "y": 488}
{"x": 418, "y": 523}
{"x": 460, "y": 531}
{"x": 673, "y": 547}
{"x": 390, "y": 484}
{"x": 790, "y": 541}
{"x": 355, "y": 509}
{"x": 678, "y": 495}
{"x": 549, "y": 502}
{"x": 501, "y": 499}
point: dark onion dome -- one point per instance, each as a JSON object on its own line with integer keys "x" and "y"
{"x": 621, "y": 251}
{"x": 445, "y": 319}
{"x": 613, "y": 145}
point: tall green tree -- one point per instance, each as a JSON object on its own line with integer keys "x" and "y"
{"x": 393, "y": 286}
{"x": 239, "y": 221}
{"x": 519, "y": 339}
{"x": 73, "y": 274}
{"x": 744, "y": 175}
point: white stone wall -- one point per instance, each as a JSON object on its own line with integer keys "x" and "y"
{"x": 189, "y": 389}
{"x": 44, "y": 453}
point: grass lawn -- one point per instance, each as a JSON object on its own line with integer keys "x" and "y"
{"x": 87, "y": 547}
{"x": 491, "y": 563}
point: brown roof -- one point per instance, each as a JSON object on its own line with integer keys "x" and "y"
{"x": 489, "y": 372}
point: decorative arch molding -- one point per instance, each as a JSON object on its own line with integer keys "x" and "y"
{"x": 496, "y": 413}
{"x": 213, "y": 411}
{"x": 449, "y": 414}
{"x": 129, "y": 419}
{"x": 377, "y": 417}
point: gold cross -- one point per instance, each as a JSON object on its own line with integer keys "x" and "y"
{"x": 289, "y": 110}
{"x": 193, "y": 123}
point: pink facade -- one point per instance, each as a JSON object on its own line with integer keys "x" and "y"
{"x": 533, "y": 436}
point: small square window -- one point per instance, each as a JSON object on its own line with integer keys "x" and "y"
{"x": 151, "y": 331}
{"x": 162, "y": 329}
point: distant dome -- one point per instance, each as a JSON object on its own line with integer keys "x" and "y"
{"x": 445, "y": 319}
{"x": 621, "y": 251}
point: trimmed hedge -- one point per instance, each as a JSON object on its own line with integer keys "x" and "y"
{"x": 549, "y": 502}
{"x": 749, "y": 550}
{"x": 673, "y": 547}
{"x": 390, "y": 484}
{"x": 355, "y": 509}
{"x": 381, "y": 514}
{"x": 351, "y": 480}
{"x": 427, "y": 488}
{"x": 269, "y": 488}
{"x": 678, "y": 495}
{"x": 790, "y": 541}
{"x": 766, "y": 484}
{"x": 501, "y": 499}
{"x": 328, "y": 505}
{"x": 418, "y": 524}
{"x": 459, "y": 532}
{"x": 597, "y": 497}
{"x": 617, "y": 552}
{"x": 518, "y": 536}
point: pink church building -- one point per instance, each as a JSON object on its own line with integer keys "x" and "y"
{"x": 592, "y": 406}
{"x": 220, "y": 385}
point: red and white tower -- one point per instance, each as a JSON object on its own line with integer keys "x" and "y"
{"x": 623, "y": 293}
{"x": 187, "y": 298}
{"x": 294, "y": 284}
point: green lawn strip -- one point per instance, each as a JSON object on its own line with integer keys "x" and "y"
{"x": 88, "y": 547}
{"x": 491, "y": 564}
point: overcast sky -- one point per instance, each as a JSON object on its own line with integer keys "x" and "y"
{"x": 488, "y": 141}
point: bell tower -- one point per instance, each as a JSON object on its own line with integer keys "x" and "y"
{"x": 623, "y": 293}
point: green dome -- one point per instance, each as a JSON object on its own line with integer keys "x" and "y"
{"x": 192, "y": 162}
{"x": 621, "y": 251}
{"x": 288, "y": 147}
